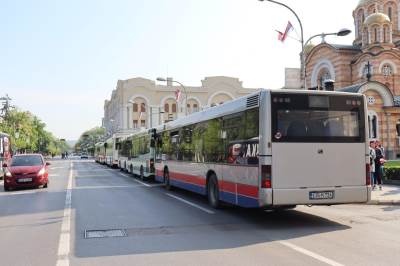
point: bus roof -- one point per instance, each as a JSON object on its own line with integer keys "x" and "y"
{"x": 237, "y": 105}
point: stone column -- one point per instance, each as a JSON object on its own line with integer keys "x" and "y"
{"x": 391, "y": 34}
{"x": 382, "y": 38}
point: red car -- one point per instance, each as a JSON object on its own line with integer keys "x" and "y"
{"x": 26, "y": 170}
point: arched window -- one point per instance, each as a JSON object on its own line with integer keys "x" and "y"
{"x": 143, "y": 108}
{"x": 376, "y": 35}
{"x": 390, "y": 12}
{"x": 166, "y": 108}
{"x": 135, "y": 107}
{"x": 387, "y": 70}
{"x": 373, "y": 125}
{"x": 324, "y": 75}
{"x": 174, "y": 108}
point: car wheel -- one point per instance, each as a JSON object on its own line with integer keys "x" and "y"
{"x": 167, "y": 183}
{"x": 141, "y": 172}
{"x": 213, "y": 192}
{"x": 6, "y": 188}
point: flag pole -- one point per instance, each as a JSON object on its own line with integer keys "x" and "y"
{"x": 303, "y": 59}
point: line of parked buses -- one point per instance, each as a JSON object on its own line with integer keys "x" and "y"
{"x": 270, "y": 149}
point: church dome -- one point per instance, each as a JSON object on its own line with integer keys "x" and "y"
{"x": 308, "y": 48}
{"x": 364, "y": 2}
{"x": 378, "y": 18}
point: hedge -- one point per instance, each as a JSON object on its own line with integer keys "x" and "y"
{"x": 392, "y": 173}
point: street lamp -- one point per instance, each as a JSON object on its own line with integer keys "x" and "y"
{"x": 341, "y": 32}
{"x": 171, "y": 80}
{"x": 301, "y": 33}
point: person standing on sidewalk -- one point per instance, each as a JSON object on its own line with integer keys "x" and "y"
{"x": 378, "y": 164}
{"x": 372, "y": 157}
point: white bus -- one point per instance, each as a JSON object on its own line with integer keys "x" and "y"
{"x": 137, "y": 154}
{"x": 113, "y": 147}
{"x": 100, "y": 152}
{"x": 273, "y": 148}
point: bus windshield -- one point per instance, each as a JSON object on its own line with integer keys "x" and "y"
{"x": 311, "y": 118}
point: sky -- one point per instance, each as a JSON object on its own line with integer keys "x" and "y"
{"x": 61, "y": 59}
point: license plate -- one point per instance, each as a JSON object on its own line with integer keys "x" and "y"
{"x": 23, "y": 180}
{"x": 317, "y": 195}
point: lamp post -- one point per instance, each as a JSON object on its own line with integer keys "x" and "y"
{"x": 341, "y": 32}
{"x": 171, "y": 80}
{"x": 301, "y": 34}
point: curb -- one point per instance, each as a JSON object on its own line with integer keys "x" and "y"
{"x": 384, "y": 202}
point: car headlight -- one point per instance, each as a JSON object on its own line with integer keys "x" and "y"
{"x": 42, "y": 171}
{"x": 8, "y": 174}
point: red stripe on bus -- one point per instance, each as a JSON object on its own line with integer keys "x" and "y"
{"x": 247, "y": 190}
{"x": 226, "y": 186}
{"x": 242, "y": 189}
{"x": 197, "y": 180}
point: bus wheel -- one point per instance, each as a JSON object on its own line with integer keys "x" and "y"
{"x": 131, "y": 170}
{"x": 213, "y": 192}
{"x": 166, "y": 180}
{"x": 141, "y": 172}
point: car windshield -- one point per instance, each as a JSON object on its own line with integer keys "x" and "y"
{"x": 30, "y": 160}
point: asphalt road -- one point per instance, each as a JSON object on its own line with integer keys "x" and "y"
{"x": 65, "y": 225}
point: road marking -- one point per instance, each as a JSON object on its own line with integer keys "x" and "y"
{"x": 191, "y": 204}
{"x": 102, "y": 187}
{"x": 138, "y": 181}
{"x": 64, "y": 243}
{"x": 58, "y": 167}
{"x": 311, "y": 254}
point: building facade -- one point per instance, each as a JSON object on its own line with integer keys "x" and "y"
{"x": 139, "y": 102}
{"x": 370, "y": 66}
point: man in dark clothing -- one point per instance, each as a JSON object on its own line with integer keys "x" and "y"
{"x": 378, "y": 172}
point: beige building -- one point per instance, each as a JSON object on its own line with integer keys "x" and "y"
{"x": 139, "y": 102}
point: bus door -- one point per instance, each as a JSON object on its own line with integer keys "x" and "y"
{"x": 318, "y": 148}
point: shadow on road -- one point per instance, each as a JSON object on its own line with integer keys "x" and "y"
{"x": 193, "y": 230}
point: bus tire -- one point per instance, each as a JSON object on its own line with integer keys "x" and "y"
{"x": 167, "y": 183}
{"x": 131, "y": 170}
{"x": 213, "y": 192}
{"x": 141, "y": 172}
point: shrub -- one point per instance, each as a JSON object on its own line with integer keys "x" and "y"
{"x": 392, "y": 173}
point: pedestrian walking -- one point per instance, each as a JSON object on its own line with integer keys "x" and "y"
{"x": 372, "y": 156}
{"x": 378, "y": 164}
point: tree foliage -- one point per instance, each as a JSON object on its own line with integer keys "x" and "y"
{"x": 28, "y": 133}
{"x": 89, "y": 138}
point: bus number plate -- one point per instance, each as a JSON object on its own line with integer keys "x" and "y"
{"x": 317, "y": 195}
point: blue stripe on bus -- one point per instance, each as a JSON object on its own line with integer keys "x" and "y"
{"x": 247, "y": 202}
{"x": 159, "y": 178}
{"x": 228, "y": 197}
{"x": 187, "y": 186}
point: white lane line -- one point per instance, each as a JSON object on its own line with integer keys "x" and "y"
{"x": 102, "y": 187}
{"x": 138, "y": 181}
{"x": 190, "y": 203}
{"x": 64, "y": 243}
{"x": 311, "y": 254}
{"x": 54, "y": 168}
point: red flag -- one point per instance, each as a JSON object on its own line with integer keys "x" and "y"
{"x": 177, "y": 94}
{"x": 282, "y": 36}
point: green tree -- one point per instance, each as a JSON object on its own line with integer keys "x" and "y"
{"x": 89, "y": 138}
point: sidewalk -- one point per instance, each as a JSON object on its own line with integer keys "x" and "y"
{"x": 389, "y": 195}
